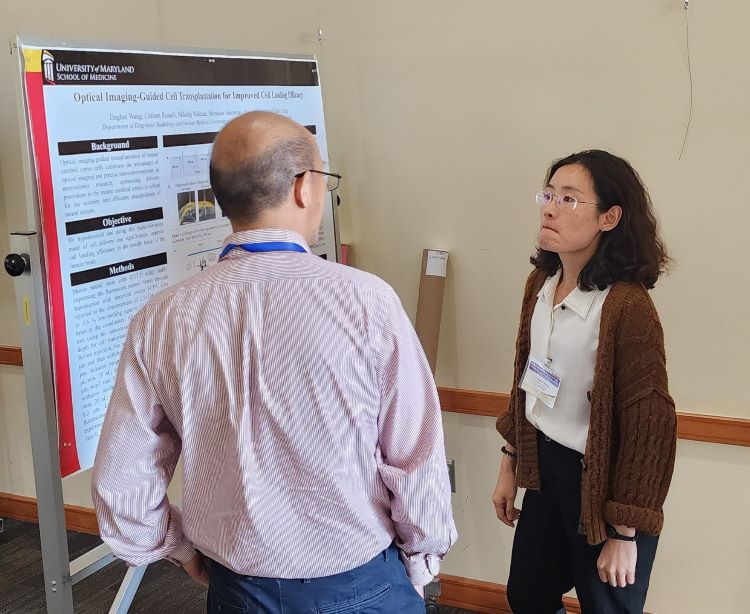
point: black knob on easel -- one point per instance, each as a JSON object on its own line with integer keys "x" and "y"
{"x": 17, "y": 264}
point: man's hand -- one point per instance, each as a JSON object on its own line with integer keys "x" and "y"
{"x": 197, "y": 569}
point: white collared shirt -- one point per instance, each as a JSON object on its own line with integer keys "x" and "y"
{"x": 566, "y": 337}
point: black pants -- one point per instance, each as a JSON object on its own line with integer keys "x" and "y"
{"x": 550, "y": 556}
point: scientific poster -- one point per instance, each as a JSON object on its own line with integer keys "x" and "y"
{"x": 121, "y": 146}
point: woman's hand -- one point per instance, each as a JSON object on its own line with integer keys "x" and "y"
{"x": 617, "y": 561}
{"x": 504, "y": 497}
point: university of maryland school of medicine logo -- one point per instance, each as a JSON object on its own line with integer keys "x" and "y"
{"x": 48, "y": 67}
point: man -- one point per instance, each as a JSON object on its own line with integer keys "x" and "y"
{"x": 314, "y": 468}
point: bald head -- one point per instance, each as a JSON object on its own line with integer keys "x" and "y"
{"x": 254, "y": 161}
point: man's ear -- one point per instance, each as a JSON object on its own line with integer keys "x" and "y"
{"x": 302, "y": 191}
{"x": 611, "y": 218}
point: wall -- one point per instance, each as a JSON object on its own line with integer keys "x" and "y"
{"x": 442, "y": 118}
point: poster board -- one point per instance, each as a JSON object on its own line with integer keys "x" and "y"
{"x": 121, "y": 142}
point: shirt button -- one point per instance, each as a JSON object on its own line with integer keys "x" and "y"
{"x": 562, "y": 306}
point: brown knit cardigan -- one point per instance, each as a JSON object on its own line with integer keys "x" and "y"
{"x": 632, "y": 431}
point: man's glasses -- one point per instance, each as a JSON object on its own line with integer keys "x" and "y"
{"x": 332, "y": 179}
{"x": 563, "y": 202}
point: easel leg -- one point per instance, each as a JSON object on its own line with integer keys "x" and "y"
{"x": 126, "y": 594}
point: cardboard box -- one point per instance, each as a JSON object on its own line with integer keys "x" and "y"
{"x": 430, "y": 301}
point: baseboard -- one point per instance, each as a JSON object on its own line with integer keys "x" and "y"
{"x": 485, "y": 597}
{"x": 81, "y": 519}
{"x": 474, "y": 595}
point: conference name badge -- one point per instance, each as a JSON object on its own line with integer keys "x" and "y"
{"x": 542, "y": 381}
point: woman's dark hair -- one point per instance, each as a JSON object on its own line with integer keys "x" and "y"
{"x": 633, "y": 250}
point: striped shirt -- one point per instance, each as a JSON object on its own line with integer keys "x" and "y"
{"x": 306, "y": 414}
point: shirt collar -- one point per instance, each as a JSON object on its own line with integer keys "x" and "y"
{"x": 264, "y": 235}
{"x": 578, "y": 301}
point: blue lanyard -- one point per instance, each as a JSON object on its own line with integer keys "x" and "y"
{"x": 271, "y": 246}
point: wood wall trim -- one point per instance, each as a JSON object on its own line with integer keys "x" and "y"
{"x": 81, "y": 519}
{"x": 473, "y": 401}
{"x": 11, "y": 355}
{"x": 695, "y": 427}
{"x": 713, "y": 429}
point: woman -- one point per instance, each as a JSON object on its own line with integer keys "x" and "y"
{"x": 591, "y": 428}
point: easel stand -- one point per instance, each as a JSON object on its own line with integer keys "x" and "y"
{"x": 60, "y": 574}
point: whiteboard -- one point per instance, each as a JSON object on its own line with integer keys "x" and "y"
{"x": 121, "y": 142}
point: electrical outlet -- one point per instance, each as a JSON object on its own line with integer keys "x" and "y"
{"x": 452, "y": 473}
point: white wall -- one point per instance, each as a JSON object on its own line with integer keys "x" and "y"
{"x": 443, "y": 118}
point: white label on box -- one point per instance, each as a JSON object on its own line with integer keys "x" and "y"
{"x": 437, "y": 263}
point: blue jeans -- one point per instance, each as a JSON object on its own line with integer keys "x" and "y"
{"x": 378, "y": 587}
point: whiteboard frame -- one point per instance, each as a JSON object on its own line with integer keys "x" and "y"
{"x": 33, "y": 312}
